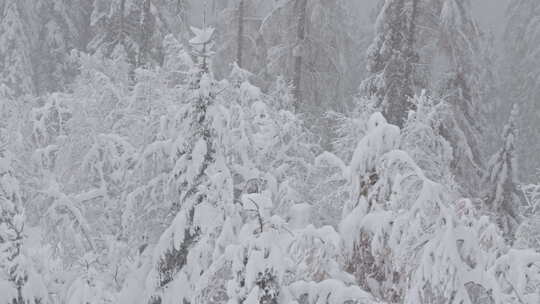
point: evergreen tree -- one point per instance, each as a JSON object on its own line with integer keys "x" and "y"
{"x": 501, "y": 181}
{"x": 391, "y": 60}
{"x": 239, "y": 39}
{"x": 19, "y": 282}
{"x": 127, "y": 27}
{"x": 16, "y": 65}
{"x": 391, "y": 234}
{"x": 521, "y": 75}
{"x": 436, "y": 46}
{"x": 460, "y": 46}
{"x": 201, "y": 181}
{"x": 60, "y": 28}
{"x": 306, "y": 40}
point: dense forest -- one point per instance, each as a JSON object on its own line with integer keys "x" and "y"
{"x": 269, "y": 152}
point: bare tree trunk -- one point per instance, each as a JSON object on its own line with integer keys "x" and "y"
{"x": 184, "y": 32}
{"x": 399, "y": 70}
{"x": 240, "y": 41}
{"x": 301, "y": 11}
{"x": 412, "y": 59}
{"x": 410, "y": 53}
{"x": 122, "y": 8}
{"x": 132, "y": 59}
{"x": 146, "y": 33}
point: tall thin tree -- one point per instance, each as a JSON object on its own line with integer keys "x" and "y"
{"x": 240, "y": 38}
{"x": 301, "y": 14}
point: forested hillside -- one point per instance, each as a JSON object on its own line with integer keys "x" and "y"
{"x": 268, "y": 152}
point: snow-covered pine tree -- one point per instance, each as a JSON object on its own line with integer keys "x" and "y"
{"x": 19, "y": 282}
{"x": 367, "y": 217}
{"x": 266, "y": 150}
{"x": 423, "y": 141}
{"x": 391, "y": 59}
{"x": 16, "y": 68}
{"x": 203, "y": 185}
{"x": 305, "y": 41}
{"x": 491, "y": 96}
{"x": 460, "y": 48}
{"x": 501, "y": 194}
{"x": 174, "y": 17}
{"x": 398, "y": 223}
{"x": 266, "y": 144}
{"x": 127, "y": 27}
{"x": 299, "y": 50}
{"x": 521, "y": 76}
{"x": 36, "y": 38}
{"x": 60, "y": 27}
{"x": 239, "y": 39}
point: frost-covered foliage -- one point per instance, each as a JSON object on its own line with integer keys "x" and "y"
{"x": 88, "y": 288}
{"x": 521, "y": 74}
{"x": 391, "y": 57}
{"x": 527, "y": 232}
{"x": 127, "y": 27}
{"x": 16, "y": 68}
{"x": 239, "y": 40}
{"x": 501, "y": 193}
{"x": 407, "y": 238}
{"x": 202, "y": 183}
{"x": 36, "y": 37}
{"x": 163, "y": 172}
{"x": 19, "y": 281}
{"x": 307, "y": 43}
{"x": 253, "y": 149}
{"x": 460, "y": 58}
{"x": 423, "y": 140}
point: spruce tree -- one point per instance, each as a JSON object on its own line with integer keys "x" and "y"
{"x": 460, "y": 47}
{"x": 16, "y": 66}
{"x": 16, "y": 269}
{"x": 198, "y": 197}
{"x": 239, "y": 40}
{"x": 521, "y": 75}
{"x": 391, "y": 60}
{"x": 501, "y": 194}
{"x": 128, "y": 28}
{"x": 306, "y": 42}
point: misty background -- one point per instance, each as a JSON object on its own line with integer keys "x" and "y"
{"x": 269, "y": 151}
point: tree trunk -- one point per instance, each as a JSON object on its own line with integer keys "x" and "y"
{"x": 240, "y": 41}
{"x": 399, "y": 71}
{"x": 301, "y": 11}
{"x": 121, "y": 30}
{"x": 146, "y": 33}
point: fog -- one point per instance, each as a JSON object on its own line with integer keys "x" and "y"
{"x": 269, "y": 152}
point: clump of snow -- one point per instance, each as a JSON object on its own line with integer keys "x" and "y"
{"x": 381, "y": 138}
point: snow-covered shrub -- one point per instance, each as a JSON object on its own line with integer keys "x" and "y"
{"x": 408, "y": 238}
{"x": 422, "y": 139}
{"x": 527, "y": 234}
